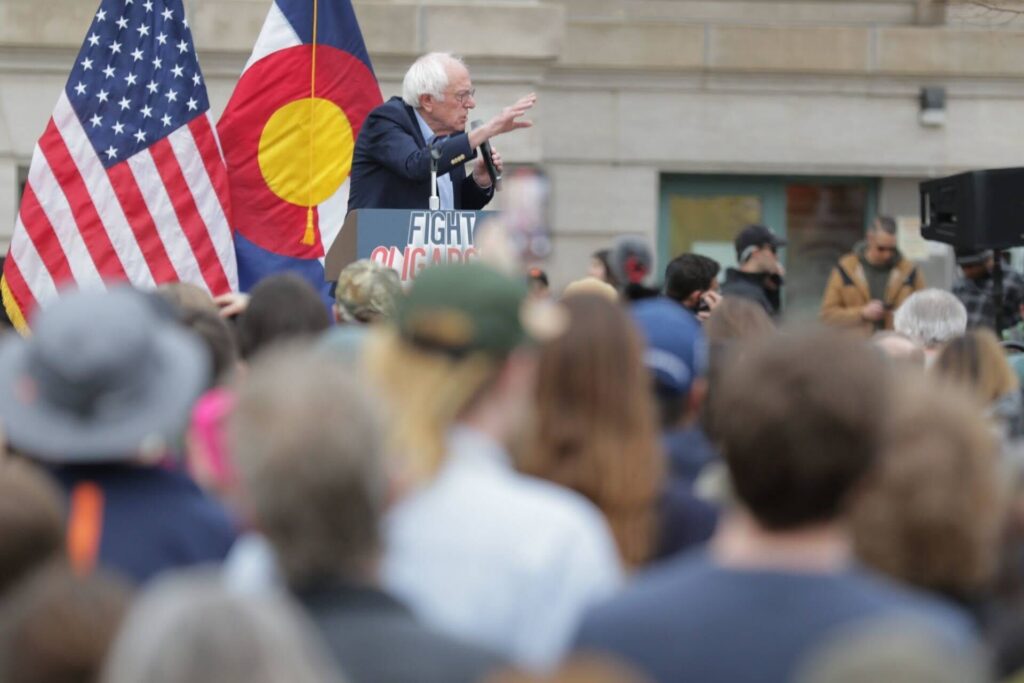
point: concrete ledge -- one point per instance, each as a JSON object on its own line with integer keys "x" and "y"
{"x": 942, "y": 51}
{"x": 218, "y": 25}
{"x": 633, "y": 46}
{"x": 533, "y": 31}
{"x": 513, "y": 31}
{"x": 819, "y": 12}
{"x": 792, "y": 48}
{"x": 62, "y": 23}
{"x": 776, "y": 12}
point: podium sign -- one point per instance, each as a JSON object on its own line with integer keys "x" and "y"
{"x": 404, "y": 240}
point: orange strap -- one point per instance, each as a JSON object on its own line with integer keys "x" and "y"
{"x": 85, "y": 526}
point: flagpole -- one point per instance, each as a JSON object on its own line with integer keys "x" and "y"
{"x": 309, "y": 238}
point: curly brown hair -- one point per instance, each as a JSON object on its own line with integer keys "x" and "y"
{"x": 596, "y": 427}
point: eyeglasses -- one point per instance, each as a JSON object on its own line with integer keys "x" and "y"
{"x": 464, "y": 95}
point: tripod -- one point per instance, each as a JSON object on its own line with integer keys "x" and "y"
{"x": 997, "y": 290}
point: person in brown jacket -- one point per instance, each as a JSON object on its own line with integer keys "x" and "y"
{"x": 868, "y": 284}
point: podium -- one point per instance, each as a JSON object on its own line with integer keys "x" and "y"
{"x": 403, "y": 239}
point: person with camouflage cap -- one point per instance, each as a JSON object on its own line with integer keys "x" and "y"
{"x": 479, "y": 550}
{"x": 367, "y": 292}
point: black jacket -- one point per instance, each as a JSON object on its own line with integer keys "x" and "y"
{"x": 375, "y": 639}
{"x": 752, "y": 286}
{"x": 391, "y": 164}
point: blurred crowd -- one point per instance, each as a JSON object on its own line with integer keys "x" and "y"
{"x": 474, "y": 478}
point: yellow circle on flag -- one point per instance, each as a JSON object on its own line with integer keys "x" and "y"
{"x": 306, "y": 151}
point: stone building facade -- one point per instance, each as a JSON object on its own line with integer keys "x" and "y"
{"x": 672, "y": 119}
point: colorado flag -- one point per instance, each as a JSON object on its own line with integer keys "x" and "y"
{"x": 288, "y": 133}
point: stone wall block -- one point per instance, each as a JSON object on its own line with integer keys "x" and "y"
{"x": 634, "y": 45}
{"x": 494, "y": 31}
{"x": 801, "y": 49}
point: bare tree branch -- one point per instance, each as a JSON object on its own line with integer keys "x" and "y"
{"x": 994, "y": 6}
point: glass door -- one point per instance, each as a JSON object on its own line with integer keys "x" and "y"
{"x": 821, "y": 217}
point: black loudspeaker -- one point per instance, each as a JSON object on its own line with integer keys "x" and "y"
{"x": 977, "y": 210}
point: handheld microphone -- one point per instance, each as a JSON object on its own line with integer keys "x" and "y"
{"x": 485, "y": 152}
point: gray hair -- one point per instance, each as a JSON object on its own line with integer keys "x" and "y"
{"x": 891, "y": 649}
{"x": 191, "y": 627}
{"x": 886, "y": 224}
{"x": 931, "y": 317}
{"x": 309, "y": 454}
{"x": 428, "y": 75}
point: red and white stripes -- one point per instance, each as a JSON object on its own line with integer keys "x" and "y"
{"x": 159, "y": 216}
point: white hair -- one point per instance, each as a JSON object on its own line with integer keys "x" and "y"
{"x": 428, "y": 75}
{"x": 931, "y": 317}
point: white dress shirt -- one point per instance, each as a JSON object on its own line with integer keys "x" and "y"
{"x": 499, "y": 558}
{"x": 445, "y": 192}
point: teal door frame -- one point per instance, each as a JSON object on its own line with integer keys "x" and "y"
{"x": 771, "y": 190}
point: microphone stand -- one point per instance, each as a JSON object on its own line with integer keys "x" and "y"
{"x": 435, "y": 156}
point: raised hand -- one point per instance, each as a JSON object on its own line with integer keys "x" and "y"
{"x": 231, "y": 304}
{"x": 508, "y": 120}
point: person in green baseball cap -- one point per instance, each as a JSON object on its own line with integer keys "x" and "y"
{"x": 478, "y": 549}
{"x": 460, "y": 328}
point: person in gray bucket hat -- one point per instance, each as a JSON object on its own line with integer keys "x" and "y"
{"x": 99, "y": 395}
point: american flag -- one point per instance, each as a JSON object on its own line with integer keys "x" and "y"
{"x": 128, "y": 181}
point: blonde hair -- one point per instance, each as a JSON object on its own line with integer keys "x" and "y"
{"x": 426, "y": 393}
{"x": 591, "y": 285}
{"x": 185, "y": 295}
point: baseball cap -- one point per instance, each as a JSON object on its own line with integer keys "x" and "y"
{"x": 755, "y": 236}
{"x": 675, "y": 346}
{"x": 972, "y": 257}
{"x": 463, "y": 308}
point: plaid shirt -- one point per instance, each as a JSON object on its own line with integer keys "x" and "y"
{"x": 977, "y": 298}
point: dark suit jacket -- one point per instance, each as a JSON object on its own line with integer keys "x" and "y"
{"x": 391, "y": 164}
{"x": 375, "y": 639}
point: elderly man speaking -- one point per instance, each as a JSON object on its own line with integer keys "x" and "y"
{"x": 391, "y": 163}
